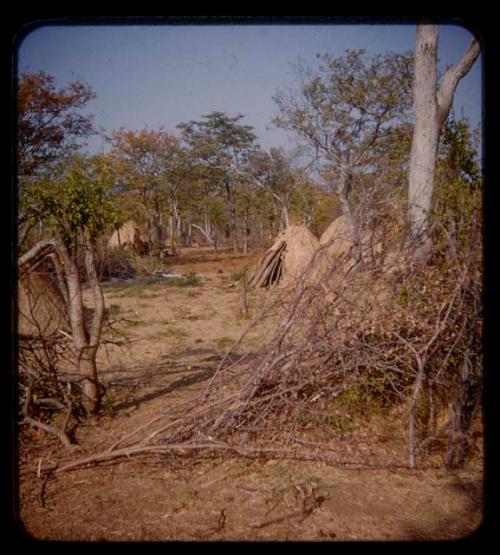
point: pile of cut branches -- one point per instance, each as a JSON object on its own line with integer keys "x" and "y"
{"x": 366, "y": 331}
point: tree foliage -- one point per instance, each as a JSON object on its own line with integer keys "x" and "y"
{"x": 344, "y": 111}
{"x": 342, "y": 108}
{"x": 49, "y": 120}
{"x": 76, "y": 196}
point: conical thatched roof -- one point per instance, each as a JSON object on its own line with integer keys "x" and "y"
{"x": 336, "y": 238}
{"x": 41, "y": 307}
{"x": 127, "y": 236}
{"x": 287, "y": 259}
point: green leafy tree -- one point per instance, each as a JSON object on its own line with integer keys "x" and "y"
{"x": 273, "y": 172}
{"x": 50, "y": 125}
{"x": 146, "y": 164}
{"x": 342, "y": 111}
{"x": 458, "y": 192}
{"x": 49, "y": 120}
{"x": 222, "y": 145}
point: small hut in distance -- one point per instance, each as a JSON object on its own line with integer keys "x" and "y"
{"x": 128, "y": 236}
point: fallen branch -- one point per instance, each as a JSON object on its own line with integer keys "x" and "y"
{"x": 62, "y": 436}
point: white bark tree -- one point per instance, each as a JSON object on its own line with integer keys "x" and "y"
{"x": 431, "y": 107}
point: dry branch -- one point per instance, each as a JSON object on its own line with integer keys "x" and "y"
{"x": 348, "y": 334}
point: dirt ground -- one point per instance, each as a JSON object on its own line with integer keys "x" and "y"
{"x": 178, "y": 334}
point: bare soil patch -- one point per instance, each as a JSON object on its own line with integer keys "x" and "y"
{"x": 178, "y": 334}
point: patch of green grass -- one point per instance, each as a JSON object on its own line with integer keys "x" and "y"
{"x": 149, "y": 288}
{"x": 147, "y": 295}
{"x": 130, "y": 289}
{"x": 169, "y": 332}
{"x": 191, "y": 279}
{"x": 350, "y": 409}
{"x": 113, "y": 310}
{"x": 224, "y": 342}
{"x": 236, "y": 276}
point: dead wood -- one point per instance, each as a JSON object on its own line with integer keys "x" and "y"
{"x": 358, "y": 333}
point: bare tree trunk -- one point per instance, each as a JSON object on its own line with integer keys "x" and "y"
{"x": 430, "y": 112}
{"x": 207, "y": 237}
{"x": 245, "y": 232}
{"x": 417, "y": 386}
{"x": 285, "y": 215}
{"x": 158, "y": 224}
{"x": 343, "y": 190}
{"x": 85, "y": 343}
{"x": 189, "y": 229}
{"x": 173, "y": 224}
{"x": 231, "y": 197}
{"x": 94, "y": 335}
{"x": 178, "y": 222}
{"x": 150, "y": 235}
{"x": 206, "y": 222}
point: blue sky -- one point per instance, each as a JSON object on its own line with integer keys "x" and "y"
{"x": 162, "y": 75}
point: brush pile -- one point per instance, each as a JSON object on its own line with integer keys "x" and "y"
{"x": 367, "y": 336}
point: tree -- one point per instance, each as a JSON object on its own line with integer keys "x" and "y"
{"x": 49, "y": 120}
{"x": 457, "y": 190}
{"x": 431, "y": 106}
{"x": 343, "y": 110}
{"x": 222, "y": 143}
{"x": 146, "y": 163}
{"x": 273, "y": 172}
{"x": 77, "y": 207}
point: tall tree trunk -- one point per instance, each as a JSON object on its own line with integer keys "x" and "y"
{"x": 206, "y": 221}
{"x": 172, "y": 225}
{"x": 94, "y": 334}
{"x": 231, "y": 198}
{"x": 150, "y": 234}
{"x": 425, "y": 139}
{"x": 158, "y": 221}
{"x": 430, "y": 112}
{"x": 86, "y": 343}
{"x": 245, "y": 232}
{"x": 178, "y": 221}
{"x": 285, "y": 218}
{"x": 343, "y": 191}
{"x": 189, "y": 229}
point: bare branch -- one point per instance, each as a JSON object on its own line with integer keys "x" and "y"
{"x": 452, "y": 77}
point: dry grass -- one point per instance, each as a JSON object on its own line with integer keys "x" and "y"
{"x": 176, "y": 344}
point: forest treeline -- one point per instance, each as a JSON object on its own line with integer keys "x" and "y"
{"x": 208, "y": 181}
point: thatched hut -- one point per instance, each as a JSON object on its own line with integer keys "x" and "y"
{"x": 41, "y": 307}
{"x": 336, "y": 239}
{"x": 287, "y": 258}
